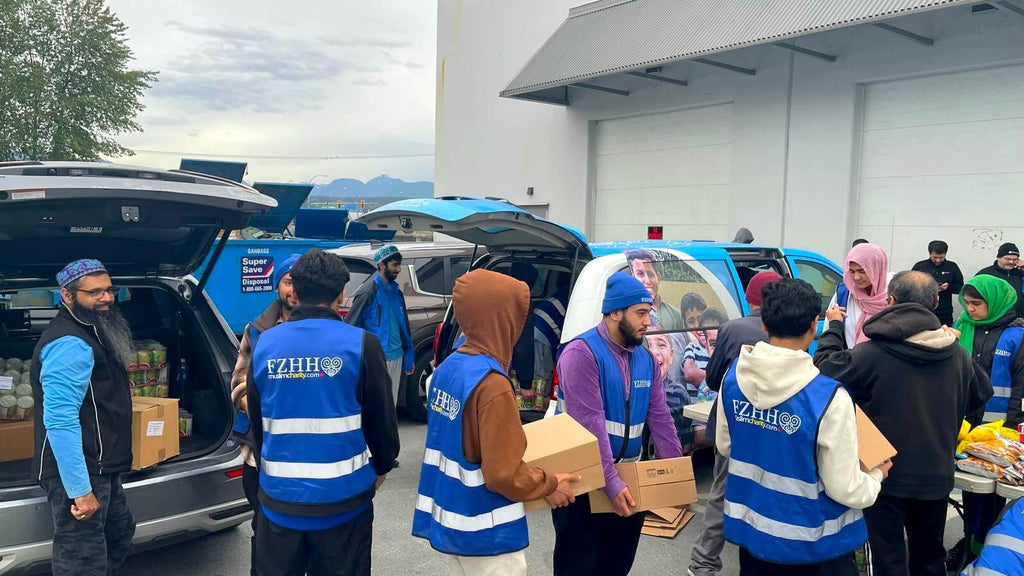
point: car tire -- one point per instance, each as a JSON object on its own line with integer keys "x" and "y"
{"x": 415, "y": 386}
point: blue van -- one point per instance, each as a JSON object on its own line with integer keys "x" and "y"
{"x": 689, "y": 280}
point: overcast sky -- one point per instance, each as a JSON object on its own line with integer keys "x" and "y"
{"x": 315, "y": 78}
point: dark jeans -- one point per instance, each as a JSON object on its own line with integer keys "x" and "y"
{"x": 845, "y": 565}
{"x": 921, "y": 553}
{"x": 594, "y": 544}
{"x": 340, "y": 551}
{"x": 99, "y": 545}
{"x": 251, "y": 486}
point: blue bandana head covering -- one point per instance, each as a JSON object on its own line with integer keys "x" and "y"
{"x": 385, "y": 253}
{"x": 79, "y": 268}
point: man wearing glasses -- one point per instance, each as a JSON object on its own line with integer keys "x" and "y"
{"x": 83, "y": 439}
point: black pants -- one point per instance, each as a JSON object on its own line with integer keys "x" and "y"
{"x": 251, "y": 486}
{"x": 340, "y": 551}
{"x": 922, "y": 553}
{"x": 99, "y": 545}
{"x": 594, "y": 544}
{"x": 845, "y": 565}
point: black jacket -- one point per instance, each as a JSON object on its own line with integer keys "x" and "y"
{"x": 917, "y": 394}
{"x": 985, "y": 340}
{"x": 380, "y": 423}
{"x": 732, "y": 337}
{"x": 1015, "y": 277}
{"x": 947, "y": 272}
{"x": 106, "y": 411}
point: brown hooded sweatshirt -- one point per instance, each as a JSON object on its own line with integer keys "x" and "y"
{"x": 491, "y": 308}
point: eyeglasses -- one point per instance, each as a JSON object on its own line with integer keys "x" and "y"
{"x": 98, "y": 293}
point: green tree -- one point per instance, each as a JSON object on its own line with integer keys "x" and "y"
{"x": 66, "y": 89}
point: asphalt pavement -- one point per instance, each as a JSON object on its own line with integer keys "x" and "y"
{"x": 395, "y": 551}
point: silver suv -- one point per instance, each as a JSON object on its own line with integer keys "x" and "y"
{"x": 151, "y": 228}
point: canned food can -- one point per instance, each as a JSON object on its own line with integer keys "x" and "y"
{"x": 163, "y": 390}
{"x": 184, "y": 424}
{"x": 152, "y": 376}
{"x": 158, "y": 357}
{"x": 142, "y": 358}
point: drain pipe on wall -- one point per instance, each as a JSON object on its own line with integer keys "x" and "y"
{"x": 785, "y": 161}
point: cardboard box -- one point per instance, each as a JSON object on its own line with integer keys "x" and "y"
{"x": 666, "y": 522}
{"x": 653, "y": 484}
{"x": 154, "y": 431}
{"x": 872, "y": 447}
{"x": 17, "y": 440}
{"x": 560, "y": 445}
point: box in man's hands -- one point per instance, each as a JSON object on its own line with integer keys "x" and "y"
{"x": 560, "y": 445}
{"x": 653, "y": 484}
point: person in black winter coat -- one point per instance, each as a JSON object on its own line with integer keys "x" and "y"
{"x": 1008, "y": 267}
{"x": 916, "y": 384}
{"x": 948, "y": 276}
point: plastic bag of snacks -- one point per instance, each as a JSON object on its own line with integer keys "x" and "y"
{"x": 1000, "y": 451}
{"x": 983, "y": 433}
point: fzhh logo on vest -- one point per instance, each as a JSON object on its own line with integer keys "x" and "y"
{"x": 445, "y": 404}
{"x": 771, "y": 419}
{"x": 310, "y": 367}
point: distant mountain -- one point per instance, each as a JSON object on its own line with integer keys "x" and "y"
{"x": 382, "y": 186}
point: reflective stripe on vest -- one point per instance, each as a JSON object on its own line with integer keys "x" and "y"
{"x": 1002, "y": 373}
{"x": 625, "y": 447}
{"x": 307, "y": 374}
{"x": 1003, "y": 553}
{"x": 776, "y": 507}
{"x": 551, "y": 312}
{"x": 454, "y": 509}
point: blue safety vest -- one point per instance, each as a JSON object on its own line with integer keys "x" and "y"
{"x": 1003, "y": 554}
{"x": 842, "y": 294}
{"x": 454, "y": 509}
{"x": 1002, "y": 373}
{"x": 775, "y": 504}
{"x": 624, "y": 418}
{"x": 314, "y": 451}
{"x": 550, "y": 315}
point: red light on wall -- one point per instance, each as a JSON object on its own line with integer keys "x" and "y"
{"x": 655, "y": 233}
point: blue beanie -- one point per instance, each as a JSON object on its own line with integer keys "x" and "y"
{"x": 282, "y": 269}
{"x": 622, "y": 292}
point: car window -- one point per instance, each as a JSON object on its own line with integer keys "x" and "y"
{"x": 459, "y": 266}
{"x": 747, "y": 269}
{"x": 359, "y": 271}
{"x": 823, "y": 279}
{"x": 430, "y": 275}
{"x": 685, "y": 318}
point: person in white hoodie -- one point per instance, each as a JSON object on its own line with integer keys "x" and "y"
{"x": 794, "y": 490}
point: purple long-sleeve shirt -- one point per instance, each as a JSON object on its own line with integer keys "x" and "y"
{"x": 578, "y": 379}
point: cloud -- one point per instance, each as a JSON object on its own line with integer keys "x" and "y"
{"x": 413, "y": 65}
{"x": 250, "y": 68}
{"x": 369, "y": 82}
{"x": 365, "y": 42}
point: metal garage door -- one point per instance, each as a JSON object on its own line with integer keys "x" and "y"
{"x": 670, "y": 169}
{"x": 943, "y": 159}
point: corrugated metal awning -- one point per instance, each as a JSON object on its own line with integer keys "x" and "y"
{"x": 612, "y": 36}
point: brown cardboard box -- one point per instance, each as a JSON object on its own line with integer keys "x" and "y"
{"x": 560, "y": 445}
{"x": 872, "y": 447}
{"x": 17, "y": 440}
{"x": 154, "y": 431}
{"x": 653, "y": 484}
{"x": 657, "y": 522}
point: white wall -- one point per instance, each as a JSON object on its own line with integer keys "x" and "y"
{"x": 488, "y": 145}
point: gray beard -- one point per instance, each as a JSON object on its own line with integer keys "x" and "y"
{"x": 113, "y": 330}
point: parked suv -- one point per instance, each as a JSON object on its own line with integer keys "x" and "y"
{"x": 151, "y": 228}
{"x": 429, "y": 271}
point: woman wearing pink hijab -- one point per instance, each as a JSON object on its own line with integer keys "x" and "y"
{"x": 865, "y": 274}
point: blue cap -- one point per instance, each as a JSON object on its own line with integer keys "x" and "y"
{"x": 624, "y": 291}
{"x": 282, "y": 269}
{"x": 384, "y": 253}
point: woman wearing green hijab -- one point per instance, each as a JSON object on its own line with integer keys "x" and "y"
{"x": 991, "y": 332}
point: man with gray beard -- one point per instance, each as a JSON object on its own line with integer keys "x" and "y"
{"x": 83, "y": 439}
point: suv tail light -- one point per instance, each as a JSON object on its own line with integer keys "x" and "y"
{"x": 234, "y": 473}
{"x": 343, "y": 313}
{"x": 437, "y": 341}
